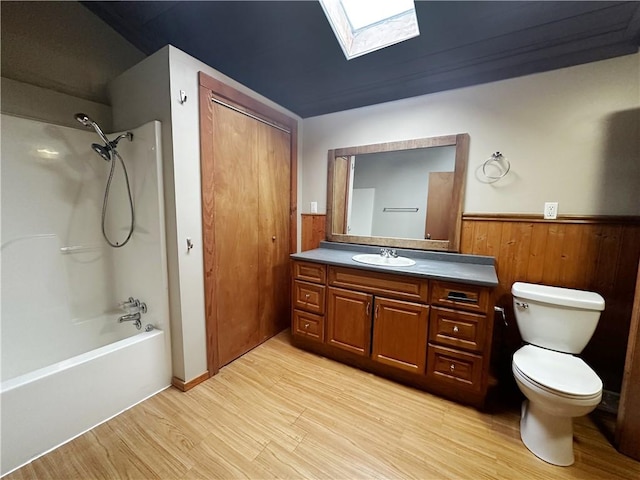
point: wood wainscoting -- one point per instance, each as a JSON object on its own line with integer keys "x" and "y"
{"x": 313, "y": 230}
{"x": 599, "y": 254}
{"x": 590, "y": 253}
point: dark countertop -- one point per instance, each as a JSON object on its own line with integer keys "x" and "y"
{"x": 472, "y": 269}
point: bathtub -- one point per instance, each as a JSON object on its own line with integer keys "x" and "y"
{"x": 47, "y": 407}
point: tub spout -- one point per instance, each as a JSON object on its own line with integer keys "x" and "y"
{"x": 132, "y": 317}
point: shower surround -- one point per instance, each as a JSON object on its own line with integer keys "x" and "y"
{"x": 67, "y": 363}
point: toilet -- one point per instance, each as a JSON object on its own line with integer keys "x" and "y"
{"x": 556, "y": 324}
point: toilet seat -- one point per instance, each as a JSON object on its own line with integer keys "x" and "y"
{"x": 559, "y": 373}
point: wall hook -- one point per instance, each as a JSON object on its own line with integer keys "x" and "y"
{"x": 183, "y": 97}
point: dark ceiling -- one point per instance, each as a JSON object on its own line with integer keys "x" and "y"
{"x": 286, "y": 50}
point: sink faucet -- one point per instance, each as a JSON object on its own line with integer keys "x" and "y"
{"x": 387, "y": 253}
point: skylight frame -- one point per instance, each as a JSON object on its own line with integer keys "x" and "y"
{"x": 378, "y": 35}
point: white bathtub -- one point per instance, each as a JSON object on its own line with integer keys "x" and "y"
{"x": 50, "y": 406}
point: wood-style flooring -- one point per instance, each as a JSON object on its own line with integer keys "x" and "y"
{"x": 279, "y": 412}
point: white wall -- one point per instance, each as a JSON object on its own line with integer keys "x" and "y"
{"x": 571, "y": 136}
{"x": 36, "y": 103}
{"x": 152, "y": 90}
{"x": 62, "y": 46}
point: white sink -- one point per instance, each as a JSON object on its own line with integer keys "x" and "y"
{"x": 377, "y": 259}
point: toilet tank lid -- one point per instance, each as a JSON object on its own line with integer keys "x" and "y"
{"x": 558, "y": 296}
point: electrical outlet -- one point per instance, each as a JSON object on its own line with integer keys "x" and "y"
{"x": 551, "y": 210}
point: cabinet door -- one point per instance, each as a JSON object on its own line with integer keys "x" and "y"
{"x": 349, "y": 320}
{"x": 400, "y": 334}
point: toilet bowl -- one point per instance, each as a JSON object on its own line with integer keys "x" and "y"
{"x": 554, "y": 397}
{"x": 556, "y": 323}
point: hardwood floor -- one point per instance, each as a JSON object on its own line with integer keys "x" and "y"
{"x": 282, "y": 412}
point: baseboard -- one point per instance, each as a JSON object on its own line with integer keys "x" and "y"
{"x": 184, "y": 386}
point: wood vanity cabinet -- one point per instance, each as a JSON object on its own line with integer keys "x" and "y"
{"x": 349, "y": 320}
{"x": 431, "y": 334}
{"x": 308, "y": 300}
{"x": 459, "y": 335}
{"x": 400, "y": 334}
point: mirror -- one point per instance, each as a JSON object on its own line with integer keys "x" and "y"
{"x": 400, "y": 194}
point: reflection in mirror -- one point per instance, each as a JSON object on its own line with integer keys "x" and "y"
{"x": 402, "y": 194}
{"x": 390, "y": 193}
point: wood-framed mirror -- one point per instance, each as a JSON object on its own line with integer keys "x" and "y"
{"x": 405, "y": 194}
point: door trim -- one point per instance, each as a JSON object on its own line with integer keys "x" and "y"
{"x": 209, "y": 89}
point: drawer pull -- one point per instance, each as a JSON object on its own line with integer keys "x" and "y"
{"x": 368, "y": 312}
{"x": 455, "y": 329}
{"x": 460, "y": 297}
{"x": 307, "y": 296}
{"x": 306, "y": 325}
{"x": 452, "y": 367}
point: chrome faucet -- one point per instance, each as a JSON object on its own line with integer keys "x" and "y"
{"x": 134, "y": 308}
{"x": 388, "y": 253}
{"x": 132, "y": 317}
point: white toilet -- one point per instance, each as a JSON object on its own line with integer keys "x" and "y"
{"x": 556, "y": 323}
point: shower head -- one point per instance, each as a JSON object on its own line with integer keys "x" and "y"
{"x": 87, "y": 122}
{"x": 83, "y": 119}
{"x": 102, "y": 150}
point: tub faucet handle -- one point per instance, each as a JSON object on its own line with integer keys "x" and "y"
{"x": 133, "y": 305}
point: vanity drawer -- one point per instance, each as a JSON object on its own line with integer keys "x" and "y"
{"x": 457, "y": 295}
{"x": 308, "y": 325}
{"x": 389, "y": 285}
{"x": 308, "y": 296}
{"x": 310, "y": 272}
{"x": 445, "y": 365}
{"x": 457, "y": 329}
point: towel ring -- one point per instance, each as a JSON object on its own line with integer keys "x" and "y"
{"x": 500, "y": 162}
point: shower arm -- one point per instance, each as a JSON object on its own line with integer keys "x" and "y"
{"x": 114, "y": 143}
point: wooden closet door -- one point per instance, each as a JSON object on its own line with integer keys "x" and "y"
{"x": 274, "y": 179}
{"x": 236, "y": 237}
{"x": 248, "y": 170}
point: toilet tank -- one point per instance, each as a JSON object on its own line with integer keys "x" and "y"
{"x": 560, "y": 319}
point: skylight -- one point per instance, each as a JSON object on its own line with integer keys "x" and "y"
{"x": 363, "y": 26}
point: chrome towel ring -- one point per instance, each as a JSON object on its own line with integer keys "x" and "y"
{"x": 500, "y": 163}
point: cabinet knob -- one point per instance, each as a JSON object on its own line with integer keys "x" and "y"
{"x": 455, "y": 329}
{"x": 307, "y": 296}
{"x": 306, "y": 325}
{"x": 452, "y": 367}
{"x": 273, "y": 239}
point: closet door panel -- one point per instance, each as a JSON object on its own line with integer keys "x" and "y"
{"x": 274, "y": 178}
{"x": 236, "y": 238}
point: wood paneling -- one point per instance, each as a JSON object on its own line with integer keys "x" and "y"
{"x": 313, "y": 230}
{"x": 628, "y": 426}
{"x": 279, "y": 412}
{"x": 589, "y": 253}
